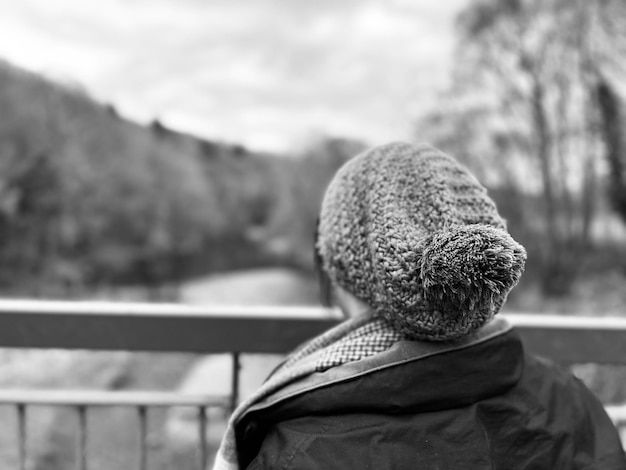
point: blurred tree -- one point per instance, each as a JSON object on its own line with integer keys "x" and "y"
{"x": 601, "y": 37}
{"x": 613, "y": 128}
{"x": 242, "y": 182}
{"x": 290, "y": 234}
{"x": 522, "y": 112}
{"x": 31, "y": 188}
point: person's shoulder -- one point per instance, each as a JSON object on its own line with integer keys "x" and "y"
{"x": 557, "y": 384}
{"x": 541, "y": 369}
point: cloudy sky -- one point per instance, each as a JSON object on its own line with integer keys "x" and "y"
{"x": 267, "y": 73}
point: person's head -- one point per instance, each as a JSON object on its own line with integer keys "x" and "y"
{"x": 408, "y": 231}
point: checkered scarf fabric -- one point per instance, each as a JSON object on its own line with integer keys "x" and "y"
{"x": 360, "y": 341}
{"x": 349, "y": 341}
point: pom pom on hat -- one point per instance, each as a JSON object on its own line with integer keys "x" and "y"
{"x": 408, "y": 230}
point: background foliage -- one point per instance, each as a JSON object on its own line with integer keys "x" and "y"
{"x": 89, "y": 198}
{"x": 535, "y": 108}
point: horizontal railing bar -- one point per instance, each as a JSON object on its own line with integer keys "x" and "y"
{"x": 149, "y": 310}
{"x": 83, "y": 398}
{"x": 266, "y": 312}
{"x": 232, "y": 329}
{"x": 109, "y": 398}
{"x": 570, "y": 322}
{"x": 156, "y": 309}
{"x": 158, "y": 327}
{"x": 146, "y": 309}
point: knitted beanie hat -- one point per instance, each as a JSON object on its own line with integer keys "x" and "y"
{"x": 409, "y": 231}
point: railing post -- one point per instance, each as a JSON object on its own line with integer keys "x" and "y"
{"x": 143, "y": 437}
{"x": 234, "y": 392}
{"x": 202, "y": 422}
{"x": 21, "y": 429}
{"x": 82, "y": 437}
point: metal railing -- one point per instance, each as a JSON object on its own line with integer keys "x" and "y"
{"x": 208, "y": 330}
{"x": 82, "y": 401}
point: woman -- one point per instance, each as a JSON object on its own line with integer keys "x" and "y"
{"x": 421, "y": 374}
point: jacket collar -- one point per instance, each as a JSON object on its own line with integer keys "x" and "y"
{"x": 409, "y": 376}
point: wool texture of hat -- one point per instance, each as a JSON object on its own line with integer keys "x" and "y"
{"x": 411, "y": 232}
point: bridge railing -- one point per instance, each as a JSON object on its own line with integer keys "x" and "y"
{"x": 106, "y": 326}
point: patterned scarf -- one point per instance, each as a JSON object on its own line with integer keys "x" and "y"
{"x": 349, "y": 341}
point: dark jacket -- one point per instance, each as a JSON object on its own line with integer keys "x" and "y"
{"x": 483, "y": 405}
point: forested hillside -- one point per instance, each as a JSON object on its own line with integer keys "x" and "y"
{"x": 88, "y": 198}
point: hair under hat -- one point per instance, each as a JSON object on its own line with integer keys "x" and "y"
{"x": 411, "y": 232}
